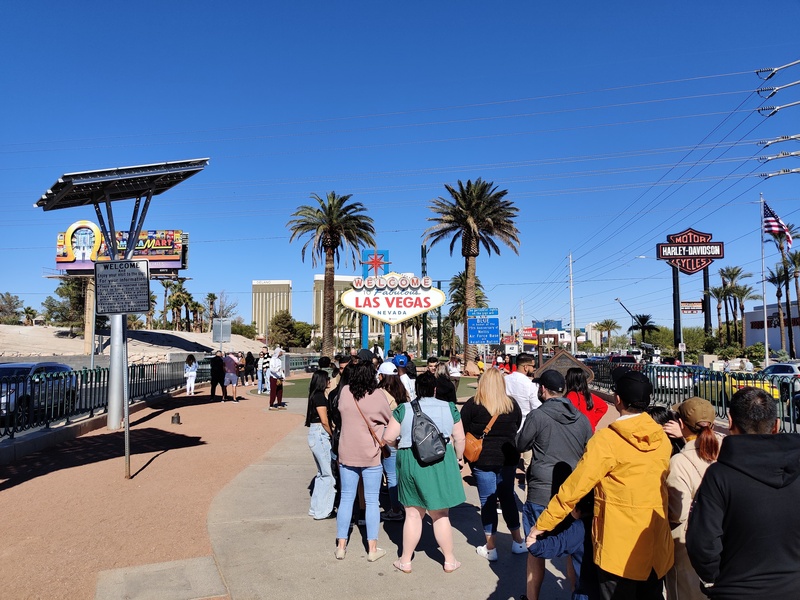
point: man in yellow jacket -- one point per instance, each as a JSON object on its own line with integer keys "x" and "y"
{"x": 626, "y": 465}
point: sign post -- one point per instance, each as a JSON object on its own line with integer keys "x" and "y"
{"x": 689, "y": 252}
{"x": 122, "y": 287}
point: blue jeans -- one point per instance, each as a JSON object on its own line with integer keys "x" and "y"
{"x": 324, "y": 483}
{"x": 348, "y": 477}
{"x": 390, "y": 468}
{"x": 530, "y": 514}
{"x": 493, "y": 485}
{"x": 260, "y": 381}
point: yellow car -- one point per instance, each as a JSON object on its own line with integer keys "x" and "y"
{"x": 717, "y": 387}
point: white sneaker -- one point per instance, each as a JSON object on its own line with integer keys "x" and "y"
{"x": 490, "y": 555}
{"x": 518, "y": 548}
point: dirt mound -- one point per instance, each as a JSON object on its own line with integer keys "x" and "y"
{"x": 18, "y": 342}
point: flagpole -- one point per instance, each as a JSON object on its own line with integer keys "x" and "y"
{"x": 764, "y": 285}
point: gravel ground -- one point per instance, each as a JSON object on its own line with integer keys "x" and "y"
{"x": 68, "y": 513}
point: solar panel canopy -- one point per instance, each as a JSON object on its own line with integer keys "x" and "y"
{"x": 87, "y": 188}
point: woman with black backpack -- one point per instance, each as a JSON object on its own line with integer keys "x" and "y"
{"x": 433, "y": 487}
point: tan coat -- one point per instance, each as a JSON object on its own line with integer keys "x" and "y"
{"x": 686, "y": 471}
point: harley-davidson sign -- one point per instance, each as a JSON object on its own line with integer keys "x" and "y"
{"x": 394, "y": 297}
{"x": 690, "y": 251}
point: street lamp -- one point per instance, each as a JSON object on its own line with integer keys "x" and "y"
{"x": 633, "y": 320}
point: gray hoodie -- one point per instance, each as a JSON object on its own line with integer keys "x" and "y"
{"x": 557, "y": 432}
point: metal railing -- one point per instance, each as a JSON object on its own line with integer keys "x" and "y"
{"x": 673, "y": 384}
{"x": 29, "y": 402}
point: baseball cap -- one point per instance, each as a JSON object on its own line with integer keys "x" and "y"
{"x": 552, "y": 380}
{"x": 365, "y": 355}
{"x": 632, "y": 387}
{"x": 387, "y": 368}
{"x": 695, "y": 410}
{"x": 400, "y": 360}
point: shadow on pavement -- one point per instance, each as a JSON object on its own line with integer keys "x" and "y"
{"x": 91, "y": 449}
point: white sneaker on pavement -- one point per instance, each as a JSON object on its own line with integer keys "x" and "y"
{"x": 490, "y": 555}
{"x": 518, "y": 547}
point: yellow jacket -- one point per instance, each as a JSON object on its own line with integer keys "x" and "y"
{"x": 627, "y": 465}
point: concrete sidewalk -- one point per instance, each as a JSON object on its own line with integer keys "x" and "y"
{"x": 265, "y": 546}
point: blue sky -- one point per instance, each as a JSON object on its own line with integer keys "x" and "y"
{"x": 610, "y": 126}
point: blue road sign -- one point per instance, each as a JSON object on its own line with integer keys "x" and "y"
{"x": 483, "y": 330}
{"x": 482, "y": 312}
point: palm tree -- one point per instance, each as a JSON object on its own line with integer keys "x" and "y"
{"x": 742, "y": 294}
{"x": 643, "y": 323}
{"x": 607, "y": 325}
{"x": 794, "y": 263}
{"x": 334, "y": 225}
{"x": 30, "y": 314}
{"x": 152, "y": 311}
{"x": 477, "y": 214}
{"x": 730, "y": 279}
{"x": 457, "y": 291}
{"x": 197, "y": 309}
{"x": 211, "y": 298}
{"x": 168, "y": 285}
{"x": 776, "y": 278}
{"x": 718, "y": 293}
{"x": 780, "y": 242}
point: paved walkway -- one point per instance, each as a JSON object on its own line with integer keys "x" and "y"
{"x": 265, "y": 546}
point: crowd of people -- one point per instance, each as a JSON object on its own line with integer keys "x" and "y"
{"x": 231, "y": 369}
{"x": 656, "y": 503}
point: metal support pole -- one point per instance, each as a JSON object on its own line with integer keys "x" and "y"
{"x": 707, "y": 327}
{"x": 439, "y": 324}
{"x": 676, "y": 308}
{"x": 424, "y": 272}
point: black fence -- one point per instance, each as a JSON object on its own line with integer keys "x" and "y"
{"x": 44, "y": 399}
{"x": 673, "y": 384}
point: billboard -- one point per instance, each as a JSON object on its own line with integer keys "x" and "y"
{"x": 82, "y": 244}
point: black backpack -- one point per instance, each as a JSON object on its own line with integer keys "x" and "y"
{"x": 428, "y": 443}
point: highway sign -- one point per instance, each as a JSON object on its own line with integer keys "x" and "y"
{"x": 483, "y": 330}
{"x": 122, "y": 287}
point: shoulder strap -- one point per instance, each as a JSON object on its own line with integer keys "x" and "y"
{"x": 372, "y": 433}
{"x": 489, "y": 426}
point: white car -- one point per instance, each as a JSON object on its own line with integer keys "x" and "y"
{"x": 36, "y": 391}
{"x": 672, "y": 378}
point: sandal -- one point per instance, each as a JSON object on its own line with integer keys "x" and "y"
{"x": 450, "y": 567}
{"x": 402, "y": 567}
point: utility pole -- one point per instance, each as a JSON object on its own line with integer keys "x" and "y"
{"x": 424, "y": 252}
{"x": 572, "y": 344}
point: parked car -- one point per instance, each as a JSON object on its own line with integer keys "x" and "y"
{"x": 718, "y": 386}
{"x": 312, "y": 366}
{"x": 35, "y": 391}
{"x": 671, "y": 378}
{"x": 787, "y": 368}
{"x": 621, "y": 359}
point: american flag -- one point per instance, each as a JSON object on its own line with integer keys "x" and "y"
{"x": 773, "y": 224}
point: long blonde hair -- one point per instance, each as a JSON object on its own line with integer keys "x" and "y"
{"x": 491, "y": 393}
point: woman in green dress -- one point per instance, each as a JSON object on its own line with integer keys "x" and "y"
{"x": 433, "y": 488}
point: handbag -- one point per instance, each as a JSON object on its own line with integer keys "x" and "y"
{"x": 473, "y": 445}
{"x": 385, "y": 450}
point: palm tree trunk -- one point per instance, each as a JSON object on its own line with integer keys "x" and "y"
{"x": 781, "y": 324}
{"x": 469, "y": 269}
{"x": 744, "y": 335}
{"x": 328, "y": 300}
{"x": 727, "y": 315}
{"x": 719, "y": 321}
{"x": 792, "y": 353}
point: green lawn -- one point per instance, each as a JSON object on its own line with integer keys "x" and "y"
{"x": 296, "y": 387}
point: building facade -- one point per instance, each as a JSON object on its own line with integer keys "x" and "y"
{"x": 269, "y": 297}
{"x": 754, "y": 325}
